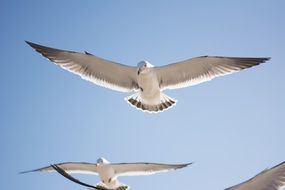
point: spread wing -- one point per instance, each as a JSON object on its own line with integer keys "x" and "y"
{"x": 97, "y": 70}
{"x": 201, "y": 69}
{"x": 67, "y": 176}
{"x": 133, "y": 169}
{"x": 269, "y": 179}
{"x": 71, "y": 167}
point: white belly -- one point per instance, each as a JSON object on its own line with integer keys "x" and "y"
{"x": 106, "y": 173}
{"x": 150, "y": 91}
{"x": 107, "y": 176}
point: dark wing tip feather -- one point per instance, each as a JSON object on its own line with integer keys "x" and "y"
{"x": 188, "y": 164}
{"x": 239, "y": 63}
{"x": 266, "y": 58}
{"x": 243, "y": 62}
{"x": 248, "y": 62}
{"x": 28, "y": 42}
{"x": 29, "y": 171}
{"x": 87, "y": 53}
{"x": 35, "y": 170}
{"x": 36, "y": 46}
{"x": 46, "y": 51}
{"x": 255, "y": 59}
{"x": 184, "y": 165}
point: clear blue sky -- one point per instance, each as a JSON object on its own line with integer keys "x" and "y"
{"x": 232, "y": 127}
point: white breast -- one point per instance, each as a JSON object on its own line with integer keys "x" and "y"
{"x": 105, "y": 172}
{"x": 148, "y": 81}
{"x": 149, "y": 84}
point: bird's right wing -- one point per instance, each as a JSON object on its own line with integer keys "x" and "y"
{"x": 71, "y": 167}
{"x": 97, "y": 70}
{"x": 99, "y": 186}
{"x": 133, "y": 169}
{"x": 269, "y": 179}
{"x": 67, "y": 176}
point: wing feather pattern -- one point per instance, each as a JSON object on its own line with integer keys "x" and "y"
{"x": 97, "y": 70}
{"x": 133, "y": 169}
{"x": 202, "y": 69}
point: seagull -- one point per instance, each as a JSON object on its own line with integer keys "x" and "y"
{"x": 148, "y": 82}
{"x": 268, "y": 179}
{"x": 108, "y": 172}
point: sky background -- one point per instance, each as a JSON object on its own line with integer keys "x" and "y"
{"x": 231, "y": 127}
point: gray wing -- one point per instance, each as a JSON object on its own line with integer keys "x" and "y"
{"x": 269, "y": 179}
{"x": 201, "y": 69}
{"x": 133, "y": 169}
{"x": 97, "y": 70}
{"x": 71, "y": 167}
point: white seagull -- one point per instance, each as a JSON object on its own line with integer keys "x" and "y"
{"x": 108, "y": 172}
{"x": 145, "y": 80}
{"x": 268, "y": 179}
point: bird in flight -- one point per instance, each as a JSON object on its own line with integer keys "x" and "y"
{"x": 148, "y": 82}
{"x": 268, "y": 179}
{"x": 108, "y": 172}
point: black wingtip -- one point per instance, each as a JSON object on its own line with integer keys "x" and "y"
{"x": 29, "y": 171}
{"x": 267, "y": 59}
{"x": 180, "y": 166}
{"x": 37, "y": 47}
{"x": 28, "y": 42}
{"x": 187, "y": 164}
{"x": 190, "y": 163}
{"x": 87, "y": 53}
{"x": 33, "y": 45}
{"x": 263, "y": 59}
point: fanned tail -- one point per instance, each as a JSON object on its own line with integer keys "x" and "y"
{"x": 102, "y": 186}
{"x": 165, "y": 103}
{"x": 124, "y": 187}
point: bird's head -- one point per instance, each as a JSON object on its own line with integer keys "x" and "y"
{"x": 102, "y": 161}
{"x": 142, "y": 66}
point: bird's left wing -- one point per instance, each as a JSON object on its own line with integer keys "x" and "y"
{"x": 201, "y": 69}
{"x": 132, "y": 169}
{"x": 97, "y": 70}
{"x": 269, "y": 179}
